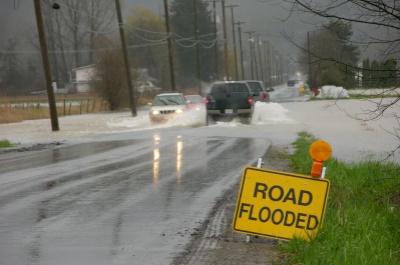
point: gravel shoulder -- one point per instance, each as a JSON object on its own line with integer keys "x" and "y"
{"x": 216, "y": 243}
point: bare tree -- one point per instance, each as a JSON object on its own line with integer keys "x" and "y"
{"x": 72, "y": 30}
{"x": 100, "y": 18}
{"x": 17, "y": 76}
{"x": 108, "y": 80}
{"x": 381, "y": 16}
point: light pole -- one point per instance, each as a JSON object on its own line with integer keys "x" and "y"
{"x": 310, "y": 79}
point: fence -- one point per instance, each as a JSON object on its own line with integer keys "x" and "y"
{"x": 65, "y": 107}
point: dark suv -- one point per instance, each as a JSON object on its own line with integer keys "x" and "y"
{"x": 292, "y": 82}
{"x": 260, "y": 92}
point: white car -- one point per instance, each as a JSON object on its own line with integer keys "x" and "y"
{"x": 167, "y": 106}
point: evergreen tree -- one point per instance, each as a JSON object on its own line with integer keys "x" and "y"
{"x": 375, "y": 73}
{"x": 344, "y": 54}
{"x": 183, "y": 26}
{"x": 389, "y": 72}
{"x": 333, "y": 58}
{"x": 366, "y": 74}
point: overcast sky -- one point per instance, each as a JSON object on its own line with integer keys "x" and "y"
{"x": 269, "y": 19}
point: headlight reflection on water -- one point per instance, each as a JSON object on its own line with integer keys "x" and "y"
{"x": 179, "y": 147}
{"x": 156, "y": 158}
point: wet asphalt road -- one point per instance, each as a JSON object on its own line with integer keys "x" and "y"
{"x": 114, "y": 202}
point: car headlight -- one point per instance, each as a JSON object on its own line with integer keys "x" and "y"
{"x": 155, "y": 112}
{"x": 179, "y": 111}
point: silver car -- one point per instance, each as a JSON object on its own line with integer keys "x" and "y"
{"x": 167, "y": 106}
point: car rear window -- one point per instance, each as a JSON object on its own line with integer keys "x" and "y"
{"x": 230, "y": 87}
{"x": 255, "y": 86}
{"x": 195, "y": 99}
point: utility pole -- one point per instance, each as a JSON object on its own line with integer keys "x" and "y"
{"x": 266, "y": 57}
{"x": 234, "y": 41}
{"x": 310, "y": 81}
{"x": 46, "y": 66}
{"x": 170, "y": 50}
{"x": 126, "y": 61}
{"x": 225, "y": 42}
{"x": 281, "y": 67}
{"x": 215, "y": 38}
{"x": 272, "y": 64}
{"x": 241, "y": 49}
{"x": 255, "y": 57}
{"x": 196, "y": 34}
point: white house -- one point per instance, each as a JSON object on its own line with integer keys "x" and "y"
{"x": 83, "y": 76}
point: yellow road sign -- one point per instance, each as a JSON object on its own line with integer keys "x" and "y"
{"x": 280, "y": 205}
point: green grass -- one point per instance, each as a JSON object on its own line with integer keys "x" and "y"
{"x": 362, "y": 220}
{"x": 5, "y": 143}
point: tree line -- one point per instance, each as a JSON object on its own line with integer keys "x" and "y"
{"x": 381, "y": 74}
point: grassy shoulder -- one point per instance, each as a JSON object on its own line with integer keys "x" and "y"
{"x": 4, "y": 143}
{"x": 361, "y": 224}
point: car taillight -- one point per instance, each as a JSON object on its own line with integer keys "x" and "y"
{"x": 207, "y": 100}
{"x": 250, "y": 100}
{"x": 264, "y": 96}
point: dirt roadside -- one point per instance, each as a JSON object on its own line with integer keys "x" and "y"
{"x": 217, "y": 244}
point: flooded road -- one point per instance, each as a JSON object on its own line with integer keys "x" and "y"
{"x": 115, "y": 202}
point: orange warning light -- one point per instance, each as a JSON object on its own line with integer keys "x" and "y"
{"x": 320, "y": 151}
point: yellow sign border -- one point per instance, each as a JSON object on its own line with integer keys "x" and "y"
{"x": 249, "y": 231}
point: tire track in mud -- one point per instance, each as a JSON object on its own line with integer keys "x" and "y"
{"x": 217, "y": 244}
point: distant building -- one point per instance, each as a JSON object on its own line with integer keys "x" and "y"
{"x": 83, "y": 75}
{"x": 143, "y": 75}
